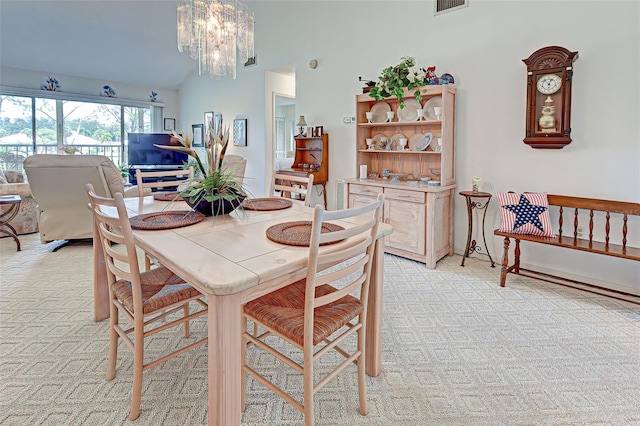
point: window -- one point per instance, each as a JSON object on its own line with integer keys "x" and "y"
{"x": 16, "y": 131}
{"x": 32, "y": 124}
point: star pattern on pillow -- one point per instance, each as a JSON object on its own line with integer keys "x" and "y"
{"x": 526, "y": 213}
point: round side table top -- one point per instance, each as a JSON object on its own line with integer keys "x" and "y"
{"x": 475, "y": 194}
{"x": 10, "y": 199}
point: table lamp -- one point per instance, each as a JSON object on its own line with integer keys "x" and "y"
{"x": 302, "y": 124}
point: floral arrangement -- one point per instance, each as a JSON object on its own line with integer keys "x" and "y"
{"x": 214, "y": 185}
{"x": 153, "y": 96}
{"x": 108, "y": 91}
{"x": 394, "y": 79}
{"x": 52, "y": 84}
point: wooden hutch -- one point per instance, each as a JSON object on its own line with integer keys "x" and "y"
{"x": 311, "y": 158}
{"x": 421, "y": 214}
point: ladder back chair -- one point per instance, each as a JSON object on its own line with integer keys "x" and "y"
{"x": 141, "y": 297}
{"x": 178, "y": 180}
{"x": 145, "y": 188}
{"x": 285, "y": 185}
{"x": 316, "y": 314}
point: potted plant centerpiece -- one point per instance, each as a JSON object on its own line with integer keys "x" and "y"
{"x": 214, "y": 191}
{"x": 393, "y": 80}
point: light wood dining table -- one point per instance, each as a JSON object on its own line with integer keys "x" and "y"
{"x": 230, "y": 261}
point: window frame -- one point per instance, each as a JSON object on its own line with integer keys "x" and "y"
{"x": 156, "y": 109}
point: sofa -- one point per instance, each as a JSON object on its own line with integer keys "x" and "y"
{"x": 58, "y": 186}
{"x": 26, "y": 221}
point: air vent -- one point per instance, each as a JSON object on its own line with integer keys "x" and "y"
{"x": 442, "y": 6}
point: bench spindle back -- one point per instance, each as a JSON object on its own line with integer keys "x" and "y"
{"x": 595, "y": 205}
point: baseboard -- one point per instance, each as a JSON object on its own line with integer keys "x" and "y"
{"x": 569, "y": 280}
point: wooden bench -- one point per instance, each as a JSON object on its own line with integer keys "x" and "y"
{"x": 610, "y": 213}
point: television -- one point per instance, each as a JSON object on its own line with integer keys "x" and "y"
{"x": 142, "y": 154}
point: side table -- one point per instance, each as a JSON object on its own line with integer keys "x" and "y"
{"x": 13, "y": 201}
{"x": 472, "y": 246}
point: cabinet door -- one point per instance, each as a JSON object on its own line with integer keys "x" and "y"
{"x": 356, "y": 200}
{"x": 408, "y": 221}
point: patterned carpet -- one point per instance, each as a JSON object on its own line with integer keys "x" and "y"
{"x": 457, "y": 350}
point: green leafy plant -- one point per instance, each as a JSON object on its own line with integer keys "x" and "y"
{"x": 124, "y": 171}
{"x": 393, "y": 80}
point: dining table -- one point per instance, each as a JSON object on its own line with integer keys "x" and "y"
{"x": 231, "y": 261}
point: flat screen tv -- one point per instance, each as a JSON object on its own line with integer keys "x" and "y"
{"x": 142, "y": 152}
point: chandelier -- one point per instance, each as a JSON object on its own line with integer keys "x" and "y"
{"x": 217, "y": 33}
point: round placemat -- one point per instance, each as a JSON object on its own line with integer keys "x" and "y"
{"x": 167, "y": 196}
{"x": 267, "y": 204}
{"x": 165, "y": 220}
{"x": 298, "y": 233}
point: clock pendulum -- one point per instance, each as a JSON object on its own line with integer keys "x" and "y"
{"x": 547, "y": 121}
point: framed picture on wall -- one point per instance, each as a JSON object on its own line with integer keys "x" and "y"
{"x": 217, "y": 122}
{"x": 170, "y": 124}
{"x": 198, "y": 135}
{"x": 240, "y": 132}
{"x": 208, "y": 119}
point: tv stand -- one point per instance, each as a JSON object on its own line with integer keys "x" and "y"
{"x": 155, "y": 168}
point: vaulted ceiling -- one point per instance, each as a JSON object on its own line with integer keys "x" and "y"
{"x": 131, "y": 42}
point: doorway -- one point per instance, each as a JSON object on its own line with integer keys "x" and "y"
{"x": 283, "y": 124}
{"x": 280, "y": 95}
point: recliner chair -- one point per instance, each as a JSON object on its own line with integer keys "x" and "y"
{"x": 58, "y": 186}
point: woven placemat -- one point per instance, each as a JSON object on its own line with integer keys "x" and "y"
{"x": 267, "y": 204}
{"x": 165, "y": 220}
{"x": 167, "y": 196}
{"x": 298, "y": 233}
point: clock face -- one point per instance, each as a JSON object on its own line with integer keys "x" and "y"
{"x": 549, "y": 84}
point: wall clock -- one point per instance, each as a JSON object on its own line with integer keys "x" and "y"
{"x": 549, "y": 77}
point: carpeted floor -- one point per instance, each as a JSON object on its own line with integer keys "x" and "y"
{"x": 457, "y": 350}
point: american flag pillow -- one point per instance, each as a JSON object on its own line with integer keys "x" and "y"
{"x": 526, "y": 213}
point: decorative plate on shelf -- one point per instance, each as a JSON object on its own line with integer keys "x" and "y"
{"x": 410, "y": 110}
{"x": 395, "y": 141}
{"x": 425, "y": 142}
{"x": 429, "y": 106}
{"x": 379, "y": 111}
{"x": 380, "y": 141}
{"x": 416, "y": 140}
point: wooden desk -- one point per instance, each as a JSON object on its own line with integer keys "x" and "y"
{"x": 229, "y": 259}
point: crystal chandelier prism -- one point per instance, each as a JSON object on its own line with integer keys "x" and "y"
{"x": 217, "y": 33}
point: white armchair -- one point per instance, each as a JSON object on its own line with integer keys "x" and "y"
{"x": 58, "y": 186}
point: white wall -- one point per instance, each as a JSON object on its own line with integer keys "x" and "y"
{"x": 482, "y": 46}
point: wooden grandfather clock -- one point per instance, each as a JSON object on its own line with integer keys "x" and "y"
{"x": 548, "y": 119}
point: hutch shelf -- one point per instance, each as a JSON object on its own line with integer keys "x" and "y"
{"x": 311, "y": 158}
{"x": 421, "y": 214}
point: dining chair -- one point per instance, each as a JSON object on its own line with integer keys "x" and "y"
{"x": 285, "y": 185}
{"x": 323, "y": 309}
{"x": 141, "y": 297}
{"x": 154, "y": 182}
{"x": 235, "y": 164}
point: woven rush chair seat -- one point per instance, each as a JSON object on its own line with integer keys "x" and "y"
{"x": 160, "y": 288}
{"x": 283, "y": 311}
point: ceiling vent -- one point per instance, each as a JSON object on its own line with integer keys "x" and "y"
{"x": 442, "y": 6}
